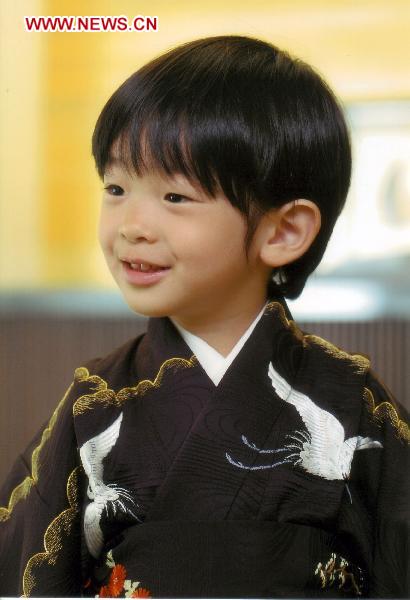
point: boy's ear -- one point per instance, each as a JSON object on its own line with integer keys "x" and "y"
{"x": 288, "y": 232}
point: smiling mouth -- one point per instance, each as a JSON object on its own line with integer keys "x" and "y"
{"x": 145, "y": 267}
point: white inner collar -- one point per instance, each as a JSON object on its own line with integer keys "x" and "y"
{"x": 214, "y": 364}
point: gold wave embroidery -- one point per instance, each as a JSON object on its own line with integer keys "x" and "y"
{"x": 22, "y": 490}
{"x": 385, "y": 411}
{"x": 361, "y": 362}
{"x": 107, "y": 397}
{"x": 289, "y": 324}
{"x": 340, "y": 574}
{"x": 59, "y": 527}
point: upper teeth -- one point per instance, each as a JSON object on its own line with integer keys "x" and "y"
{"x": 141, "y": 266}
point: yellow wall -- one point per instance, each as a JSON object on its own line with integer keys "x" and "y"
{"x": 53, "y": 86}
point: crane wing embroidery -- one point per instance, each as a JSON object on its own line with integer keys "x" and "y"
{"x": 102, "y": 496}
{"x": 320, "y": 448}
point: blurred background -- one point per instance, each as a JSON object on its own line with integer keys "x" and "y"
{"x": 58, "y": 305}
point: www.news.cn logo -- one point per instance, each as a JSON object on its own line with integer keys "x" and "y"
{"x": 90, "y": 23}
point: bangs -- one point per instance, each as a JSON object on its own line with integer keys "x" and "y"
{"x": 171, "y": 137}
{"x": 198, "y": 121}
{"x": 159, "y": 143}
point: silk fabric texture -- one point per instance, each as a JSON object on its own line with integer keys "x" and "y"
{"x": 287, "y": 479}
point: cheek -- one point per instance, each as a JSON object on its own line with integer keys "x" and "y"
{"x": 227, "y": 239}
{"x": 106, "y": 231}
{"x": 214, "y": 246}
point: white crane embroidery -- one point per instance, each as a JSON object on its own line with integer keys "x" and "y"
{"x": 322, "y": 449}
{"x": 92, "y": 454}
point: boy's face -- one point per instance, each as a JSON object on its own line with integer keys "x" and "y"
{"x": 196, "y": 244}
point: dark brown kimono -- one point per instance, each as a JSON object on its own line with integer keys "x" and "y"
{"x": 288, "y": 479}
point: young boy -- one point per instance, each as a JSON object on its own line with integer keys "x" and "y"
{"x": 224, "y": 453}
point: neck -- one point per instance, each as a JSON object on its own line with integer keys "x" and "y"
{"x": 223, "y": 331}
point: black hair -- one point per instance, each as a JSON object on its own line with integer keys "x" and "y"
{"x": 241, "y": 116}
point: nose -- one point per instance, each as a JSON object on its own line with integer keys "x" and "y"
{"x": 137, "y": 223}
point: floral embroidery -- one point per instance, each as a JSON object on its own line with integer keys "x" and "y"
{"x": 141, "y": 593}
{"x": 87, "y": 583}
{"x": 117, "y": 579}
{"x": 118, "y": 586}
{"x": 105, "y": 592}
{"x": 341, "y": 574}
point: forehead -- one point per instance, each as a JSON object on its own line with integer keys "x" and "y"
{"x": 120, "y": 158}
{"x": 114, "y": 162}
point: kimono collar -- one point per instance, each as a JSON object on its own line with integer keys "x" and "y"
{"x": 270, "y": 333}
{"x": 215, "y": 364}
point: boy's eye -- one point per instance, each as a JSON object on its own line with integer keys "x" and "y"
{"x": 114, "y": 190}
{"x": 175, "y": 198}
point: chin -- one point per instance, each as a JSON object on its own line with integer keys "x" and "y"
{"x": 148, "y": 310}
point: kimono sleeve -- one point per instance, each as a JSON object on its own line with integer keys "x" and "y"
{"x": 388, "y": 482}
{"x": 40, "y": 512}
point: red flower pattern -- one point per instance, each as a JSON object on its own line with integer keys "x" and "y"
{"x": 87, "y": 583}
{"x": 141, "y": 593}
{"x": 117, "y": 578}
{"x": 104, "y": 592}
{"x": 116, "y": 582}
